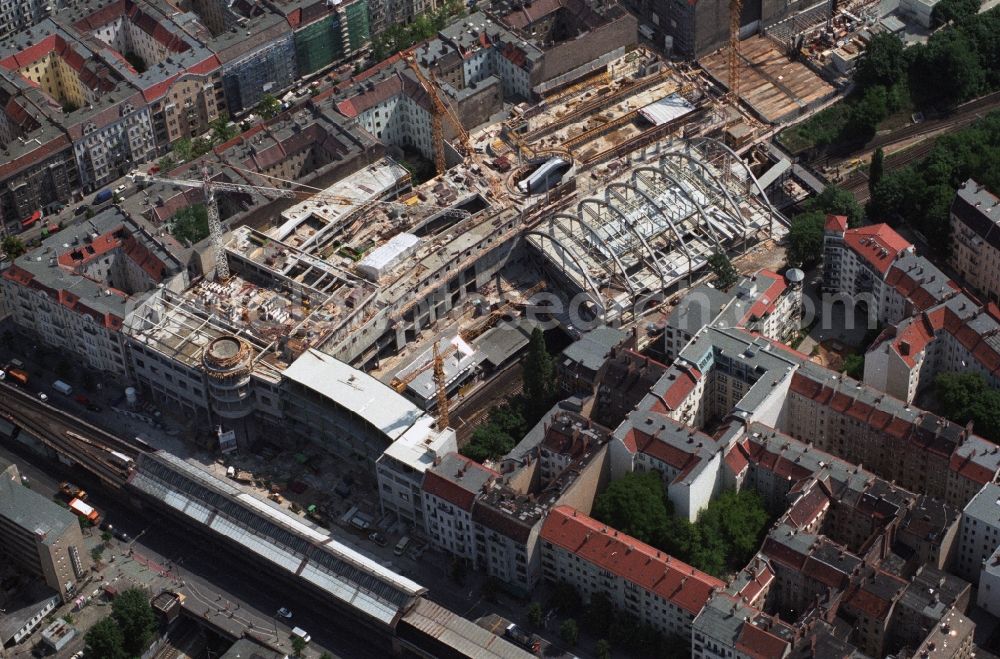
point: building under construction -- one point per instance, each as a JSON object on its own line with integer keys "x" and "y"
{"x": 654, "y": 227}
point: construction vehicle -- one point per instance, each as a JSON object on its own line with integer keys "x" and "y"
{"x": 17, "y": 375}
{"x": 85, "y": 511}
{"x": 72, "y": 491}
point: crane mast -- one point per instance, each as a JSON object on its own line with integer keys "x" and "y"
{"x": 442, "y": 394}
{"x": 735, "y": 12}
{"x": 215, "y": 228}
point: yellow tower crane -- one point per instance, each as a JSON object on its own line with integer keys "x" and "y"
{"x": 439, "y": 109}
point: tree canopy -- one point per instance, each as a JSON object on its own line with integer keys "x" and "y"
{"x": 805, "y": 236}
{"x": 539, "y": 375}
{"x": 725, "y": 273}
{"x": 105, "y": 640}
{"x": 269, "y": 107}
{"x": 724, "y": 537}
{"x": 965, "y": 397}
{"x": 190, "y": 224}
{"x": 13, "y": 246}
{"x": 947, "y": 11}
{"x": 135, "y": 618}
{"x": 921, "y": 193}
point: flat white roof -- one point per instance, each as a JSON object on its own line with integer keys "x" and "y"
{"x": 666, "y": 109}
{"x": 356, "y": 391}
{"x": 418, "y": 447}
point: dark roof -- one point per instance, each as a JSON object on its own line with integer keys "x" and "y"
{"x": 978, "y": 209}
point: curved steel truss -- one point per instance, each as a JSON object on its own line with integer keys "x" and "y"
{"x": 659, "y": 223}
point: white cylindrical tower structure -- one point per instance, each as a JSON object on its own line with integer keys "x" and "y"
{"x": 228, "y": 361}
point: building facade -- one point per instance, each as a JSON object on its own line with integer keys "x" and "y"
{"x": 40, "y": 537}
{"x": 975, "y": 239}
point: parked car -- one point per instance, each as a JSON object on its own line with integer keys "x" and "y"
{"x": 121, "y": 535}
{"x": 378, "y": 539}
{"x": 285, "y": 613}
{"x": 94, "y": 408}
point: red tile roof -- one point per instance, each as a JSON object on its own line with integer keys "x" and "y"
{"x": 765, "y": 301}
{"x": 760, "y": 644}
{"x": 444, "y": 488}
{"x": 629, "y": 559}
{"x": 836, "y": 223}
{"x": 877, "y": 244}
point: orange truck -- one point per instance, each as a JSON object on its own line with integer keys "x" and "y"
{"x": 18, "y": 375}
{"x": 84, "y": 510}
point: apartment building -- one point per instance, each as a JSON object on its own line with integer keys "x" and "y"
{"x": 955, "y": 336}
{"x": 648, "y": 585}
{"x": 38, "y": 174}
{"x": 764, "y": 302}
{"x": 687, "y": 459}
{"x": 580, "y": 365}
{"x": 975, "y": 239}
{"x": 627, "y": 378}
{"x": 76, "y": 299}
{"x": 729, "y": 628}
{"x": 979, "y": 533}
{"x": 450, "y": 489}
{"x": 40, "y": 537}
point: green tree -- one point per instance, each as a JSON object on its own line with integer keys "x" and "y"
{"x": 488, "y": 442}
{"x": 166, "y": 163}
{"x": 876, "y": 170}
{"x": 883, "y": 62}
{"x": 837, "y": 201}
{"x": 947, "y": 70}
{"x": 635, "y": 504}
{"x": 190, "y": 224}
{"x": 569, "y": 631}
{"x": 539, "y": 374}
{"x": 603, "y": 650}
{"x": 105, "y": 641}
{"x": 13, "y": 246}
{"x": 535, "y": 614}
{"x": 854, "y": 366}
{"x": 866, "y": 115}
{"x": 805, "y": 239}
{"x": 298, "y": 645}
{"x": 965, "y": 397}
{"x": 725, "y": 273}
{"x": 946, "y": 11}
{"x": 183, "y": 149}
{"x": 269, "y": 107}
{"x": 134, "y": 615}
{"x": 222, "y": 129}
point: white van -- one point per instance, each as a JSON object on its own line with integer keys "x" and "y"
{"x": 301, "y": 633}
{"x": 401, "y": 546}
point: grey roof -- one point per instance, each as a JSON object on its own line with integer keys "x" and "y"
{"x": 501, "y": 342}
{"x": 92, "y": 293}
{"x": 698, "y": 308}
{"x": 245, "y": 648}
{"x": 28, "y": 602}
{"x": 985, "y": 506}
{"x": 459, "y": 634}
{"x": 32, "y": 512}
{"x": 979, "y": 209}
{"x": 462, "y": 472}
{"x": 593, "y": 348}
{"x": 303, "y": 550}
